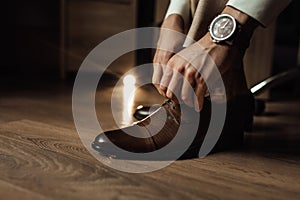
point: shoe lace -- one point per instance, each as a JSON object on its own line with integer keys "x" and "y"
{"x": 169, "y": 106}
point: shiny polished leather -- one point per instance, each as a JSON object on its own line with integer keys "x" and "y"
{"x": 147, "y": 139}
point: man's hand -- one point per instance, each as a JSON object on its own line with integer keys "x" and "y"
{"x": 168, "y": 39}
{"x": 187, "y": 70}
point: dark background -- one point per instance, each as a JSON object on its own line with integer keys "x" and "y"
{"x": 31, "y": 29}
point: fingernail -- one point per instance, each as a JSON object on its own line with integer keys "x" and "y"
{"x": 169, "y": 94}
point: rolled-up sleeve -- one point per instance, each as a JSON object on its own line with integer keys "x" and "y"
{"x": 180, "y": 7}
{"x": 264, "y": 11}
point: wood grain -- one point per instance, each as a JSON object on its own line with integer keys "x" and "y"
{"x": 42, "y": 157}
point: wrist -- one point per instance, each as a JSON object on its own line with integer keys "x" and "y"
{"x": 248, "y": 23}
{"x": 174, "y": 22}
{"x": 233, "y": 28}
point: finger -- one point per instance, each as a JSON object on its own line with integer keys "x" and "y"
{"x": 160, "y": 59}
{"x": 156, "y": 77}
{"x": 175, "y": 86}
{"x": 157, "y": 73}
{"x": 162, "y": 93}
{"x": 166, "y": 78}
{"x": 187, "y": 87}
{"x": 200, "y": 91}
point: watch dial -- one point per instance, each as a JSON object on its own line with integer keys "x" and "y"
{"x": 223, "y": 27}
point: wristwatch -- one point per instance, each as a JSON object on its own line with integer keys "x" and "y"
{"x": 224, "y": 29}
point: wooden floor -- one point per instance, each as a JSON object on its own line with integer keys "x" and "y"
{"x": 42, "y": 157}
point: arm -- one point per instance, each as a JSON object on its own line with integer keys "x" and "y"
{"x": 227, "y": 58}
{"x": 176, "y": 18}
{"x": 179, "y": 7}
{"x": 263, "y": 11}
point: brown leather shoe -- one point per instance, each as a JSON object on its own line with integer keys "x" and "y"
{"x": 159, "y": 129}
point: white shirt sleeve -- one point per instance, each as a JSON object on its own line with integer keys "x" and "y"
{"x": 180, "y": 7}
{"x": 264, "y": 11}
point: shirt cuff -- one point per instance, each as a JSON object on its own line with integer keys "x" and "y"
{"x": 180, "y": 7}
{"x": 264, "y": 11}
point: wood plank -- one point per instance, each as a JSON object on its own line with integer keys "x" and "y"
{"x": 10, "y": 191}
{"x": 41, "y": 155}
{"x": 63, "y": 160}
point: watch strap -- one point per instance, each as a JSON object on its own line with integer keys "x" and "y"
{"x": 239, "y": 39}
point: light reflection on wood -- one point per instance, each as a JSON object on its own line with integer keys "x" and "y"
{"x": 128, "y": 99}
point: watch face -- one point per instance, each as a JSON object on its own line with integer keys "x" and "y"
{"x": 222, "y": 27}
